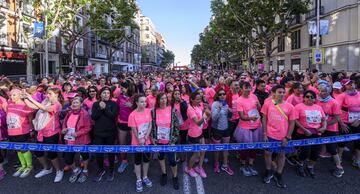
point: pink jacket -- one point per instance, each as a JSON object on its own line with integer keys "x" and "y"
{"x": 83, "y": 127}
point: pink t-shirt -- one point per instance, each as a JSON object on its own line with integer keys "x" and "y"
{"x": 141, "y": 121}
{"x": 3, "y": 104}
{"x": 17, "y": 119}
{"x": 277, "y": 125}
{"x": 194, "y": 129}
{"x": 186, "y": 98}
{"x": 150, "y": 101}
{"x": 309, "y": 116}
{"x": 163, "y": 123}
{"x": 117, "y": 92}
{"x": 89, "y": 104}
{"x": 72, "y": 120}
{"x": 235, "y": 115}
{"x": 295, "y": 100}
{"x": 209, "y": 95}
{"x": 249, "y": 107}
{"x": 352, "y": 103}
{"x": 331, "y": 108}
{"x": 53, "y": 127}
{"x": 336, "y": 95}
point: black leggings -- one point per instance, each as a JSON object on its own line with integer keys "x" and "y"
{"x": 69, "y": 157}
{"x": 48, "y": 140}
{"x": 1, "y": 157}
{"x": 183, "y": 137}
{"x": 312, "y": 152}
{"x": 100, "y": 156}
{"x": 331, "y": 147}
{"x": 353, "y": 130}
{"x": 142, "y": 157}
{"x": 171, "y": 156}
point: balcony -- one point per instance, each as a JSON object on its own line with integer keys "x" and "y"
{"x": 80, "y": 51}
{"x": 4, "y": 3}
{"x": 296, "y": 20}
{"x": 101, "y": 55}
{"x": 312, "y": 13}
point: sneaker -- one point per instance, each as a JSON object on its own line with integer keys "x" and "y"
{"x": 300, "y": 170}
{"x": 26, "y": 172}
{"x": 217, "y": 168}
{"x": 227, "y": 169}
{"x": 201, "y": 172}
{"x": 18, "y": 172}
{"x": 279, "y": 181}
{"x": 59, "y": 176}
{"x": 74, "y": 175}
{"x": 356, "y": 164}
{"x": 325, "y": 155}
{"x": 99, "y": 175}
{"x": 268, "y": 176}
{"x": 122, "y": 167}
{"x": 252, "y": 171}
{"x": 43, "y": 172}
{"x": 83, "y": 177}
{"x": 311, "y": 172}
{"x": 163, "y": 180}
{"x": 139, "y": 186}
{"x": 2, "y": 174}
{"x": 110, "y": 177}
{"x": 245, "y": 171}
{"x": 176, "y": 183}
{"x": 147, "y": 182}
{"x": 191, "y": 172}
{"x": 338, "y": 172}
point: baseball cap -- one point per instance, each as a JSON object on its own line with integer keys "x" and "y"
{"x": 337, "y": 85}
{"x": 114, "y": 80}
{"x": 345, "y": 82}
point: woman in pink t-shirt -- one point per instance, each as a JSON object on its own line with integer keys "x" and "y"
{"x": 278, "y": 124}
{"x": 186, "y": 92}
{"x": 295, "y": 94}
{"x": 169, "y": 89}
{"x": 151, "y": 99}
{"x": 140, "y": 123}
{"x": 165, "y": 130}
{"x": 50, "y": 134}
{"x": 249, "y": 127}
{"x": 332, "y": 111}
{"x": 76, "y": 128}
{"x": 310, "y": 123}
{"x": 197, "y": 118}
{"x": 91, "y": 99}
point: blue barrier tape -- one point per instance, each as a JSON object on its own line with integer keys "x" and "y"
{"x": 172, "y": 148}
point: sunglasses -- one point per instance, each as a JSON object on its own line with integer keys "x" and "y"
{"x": 92, "y": 91}
{"x": 222, "y": 94}
{"x": 310, "y": 97}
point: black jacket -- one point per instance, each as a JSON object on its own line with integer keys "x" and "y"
{"x": 261, "y": 96}
{"x": 105, "y": 120}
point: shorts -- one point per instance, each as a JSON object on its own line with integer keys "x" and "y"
{"x": 206, "y": 133}
{"x": 219, "y": 134}
{"x": 195, "y": 140}
{"x": 20, "y": 138}
{"x": 279, "y": 150}
{"x": 123, "y": 127}
{"x": 48, "y": 140}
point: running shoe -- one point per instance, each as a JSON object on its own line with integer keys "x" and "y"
{"x": 227, "y": 169}
{"x": 18, "y": 172}
{"x": 147, "y": 182}
{"x": 26, "y": 172}
{"x": 217, "y": 168}
{"x": 245, "y": 171}
{"x": 99, "y": 175}
{"x": 279, "y": 181}
{"x": 59, "y": 176}
{"x": 83, "y": 177}
{"x": 201, "y": 172}
{"x": 268, "y": 176}
{"x": 122, "y": 167}
{"x": 252, "y": 170}
{"x": 139, "y": 186}
{"x": 338, "y": 172}
{"x": 74, "y": 175}
{"x": 43, "y": 172}
{"x": 2, "y": 174}
{"x": 191, "y": 172}
{"x": 163, "y": 180}
{"x": 176, "y": 183}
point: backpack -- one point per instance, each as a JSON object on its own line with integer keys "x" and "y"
{"x": 42, "y": 118}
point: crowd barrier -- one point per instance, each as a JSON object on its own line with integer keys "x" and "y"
{"x": 172, "y": 148}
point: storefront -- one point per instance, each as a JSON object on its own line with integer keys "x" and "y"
{"x": 12, "y": 63}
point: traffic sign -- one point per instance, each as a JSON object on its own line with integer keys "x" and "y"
{"x": 318, "y": 56}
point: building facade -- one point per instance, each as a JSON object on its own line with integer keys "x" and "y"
{"x": 148, "y": 41}
{"x": 341, "y": 45}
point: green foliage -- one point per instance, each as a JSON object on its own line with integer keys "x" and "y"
{"x": 168, "y": 59}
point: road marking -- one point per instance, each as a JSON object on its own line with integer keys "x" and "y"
{"x": 186, "y": 181}
{"x": 199, "y": 185}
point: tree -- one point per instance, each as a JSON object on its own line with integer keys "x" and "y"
{"x": 122, "y": 13}
{"x": 168, "y": 59}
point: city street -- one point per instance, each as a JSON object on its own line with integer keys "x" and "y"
{"x": 215, "y": 183}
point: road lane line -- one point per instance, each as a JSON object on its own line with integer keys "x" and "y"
{"x": 186, "y": 180}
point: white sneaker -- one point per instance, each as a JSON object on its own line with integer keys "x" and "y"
{"x": 26, "y": 172}
{"x": 59, "y": 176}
{"x": 18, "y": 172}
{"x": 43, "y": 172}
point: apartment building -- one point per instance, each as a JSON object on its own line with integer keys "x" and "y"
{"x": 148, "y": 41}
{"x": 341, "y": 45}
{"x": 160, "y": 47}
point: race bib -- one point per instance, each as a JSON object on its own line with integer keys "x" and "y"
{"x": 13, "y": 121}
{"x": 254, "y": 113}
{"x": 69, "y": 133}
{"x": 313, "y": 116}
{"x": 142, "y": 130}
{"x": 353, "y": 116}
{"x": 163, "y": 133}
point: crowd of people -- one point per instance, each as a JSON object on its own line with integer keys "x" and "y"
{"x": 168, "y": 108}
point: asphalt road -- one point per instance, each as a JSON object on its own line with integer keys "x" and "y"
{"x": 215, "y": 183}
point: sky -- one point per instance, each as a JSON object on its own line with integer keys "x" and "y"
{"x": 180, "y": 22}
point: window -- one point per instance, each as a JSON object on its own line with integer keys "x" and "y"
{"x": 147, "y": 36}
{"x": 281, "y": 65}
{"x": 295, "y": 40}
{"x": 3, "y": 34}
{"x": 147, "y": 28}
{"x": 295, "y": 64}
{"x": 281, "y": 44}
{"x": 312, "y": 40}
